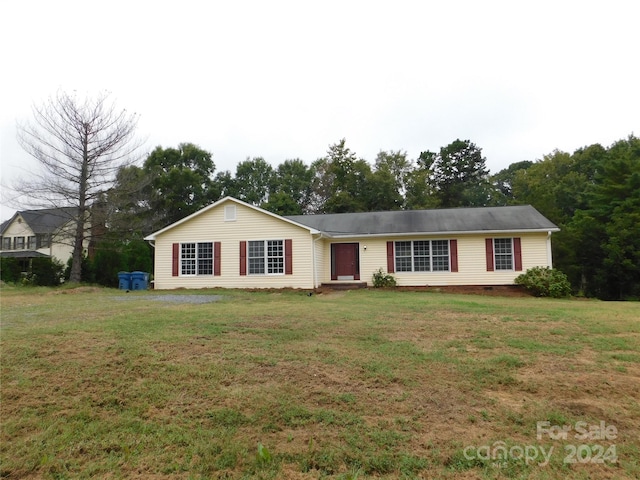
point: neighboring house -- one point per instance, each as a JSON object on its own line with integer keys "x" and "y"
{"x": 38, "y": 233}
{"x": 235, "y": 245}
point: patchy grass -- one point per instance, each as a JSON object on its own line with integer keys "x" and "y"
{"x": 359, "y": 384}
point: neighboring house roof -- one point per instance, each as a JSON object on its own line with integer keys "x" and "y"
{"x": 447, "y": 220}
{"x": 46, "y": 220}
{"x": 23, "y": 254}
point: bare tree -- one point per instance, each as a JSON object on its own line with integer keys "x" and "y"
{"x": 80, "y": 144}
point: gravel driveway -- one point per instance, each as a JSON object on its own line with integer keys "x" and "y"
{"x": 173, "y": 298}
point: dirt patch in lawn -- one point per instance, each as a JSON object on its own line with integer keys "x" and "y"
{"x": 75, "y": 291}
{"x": 495, "y": 290}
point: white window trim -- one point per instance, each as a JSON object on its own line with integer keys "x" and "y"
{"x": 197, "y": 274}
{"x": 495, "y": 258}
{"x": 266, "y": 257}
{"x": 431, "y": 270}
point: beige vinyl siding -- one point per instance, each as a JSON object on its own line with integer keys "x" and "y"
{"x": 537, "y": 254}
{"x": 373, "y": 258}
{"x": 472, "y": 265}
{"x": 250, "y": 224}
{"x": 320, "y": 260}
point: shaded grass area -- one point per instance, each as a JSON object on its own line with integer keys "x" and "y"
{"x": 358, "y": 384}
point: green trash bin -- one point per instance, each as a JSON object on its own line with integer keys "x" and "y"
{"x": 124, "y": 280}
{"x": 139, "y": 280}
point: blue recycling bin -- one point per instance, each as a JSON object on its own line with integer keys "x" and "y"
{"x": 139, "y": 280}
{"x": 124, "y": 279}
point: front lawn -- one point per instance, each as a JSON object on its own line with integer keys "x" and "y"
{"x": 358, "y": 384}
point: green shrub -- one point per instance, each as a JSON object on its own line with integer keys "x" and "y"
{"x": 10, "y": 270}
{"x": 382, "y": 279}
{"x": 106, "y": 264}
{"x": 138, "y": 255}
{"x": 117, "y": 255}
{"x": 545, "y": 282}
{"x": 46, "y": 272}
{"x": 42, "y": 271}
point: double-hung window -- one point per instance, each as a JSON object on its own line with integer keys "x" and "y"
{"x": 440, "y": 255}
{"x": 6, "y": 243}
{"x": 205, "y": 258}
{"x": 503, "y": 253}
{"x": 265, "y": 256}
{"x": 422, "y": 256}
{"x": 196, "y": 258}
{"x": 18, "y": 243}
{"x": 43, "y": 240}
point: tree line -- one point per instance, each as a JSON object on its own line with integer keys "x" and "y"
{"x": 593, "y": 194}
{"x": 175, "y": 182}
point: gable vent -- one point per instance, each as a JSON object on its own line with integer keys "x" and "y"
{"x": 230, "y": 213}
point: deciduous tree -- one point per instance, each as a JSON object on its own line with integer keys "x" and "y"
{"x": 129, "y": 204}
{"x": 182, "y": 181}
{"x": 339, "y": 182}
{"x": 252, "y": 180}
{"x": 503, "y": 180}
{"x": 80, "y": 145}
{"x": 398, "y": 165}
{"x": 292, "y": 178}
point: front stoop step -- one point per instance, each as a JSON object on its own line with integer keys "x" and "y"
{"x": 344, "y": 285}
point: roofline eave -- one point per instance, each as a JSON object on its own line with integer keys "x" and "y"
{"x": 440, "y": 233}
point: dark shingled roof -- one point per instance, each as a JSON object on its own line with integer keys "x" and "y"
{"x": 449, "y": 220}
{"x": 23, "y": 254}
{"x": 47, "y": 220}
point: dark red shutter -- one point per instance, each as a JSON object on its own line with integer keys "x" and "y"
{"x": 453, "y": 252}
{"x": 517, "y": 254}
{"x": 288, "y": 257}
{"x": 488, "y": 242}
{"x": 356, "y": 253}
{"x": 216, "y": 258}
{"x": 334, "y": 275}
{"x": 391, "y": 266}
{"x": 243, "y": 257}
{"x": 175, "y": 260}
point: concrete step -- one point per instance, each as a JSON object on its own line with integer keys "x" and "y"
{"x": 344, "y": 285}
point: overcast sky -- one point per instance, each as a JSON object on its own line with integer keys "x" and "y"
{"x": 285, "y": 79}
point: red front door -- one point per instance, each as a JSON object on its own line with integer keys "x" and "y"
{"x": 345, "y": 261}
